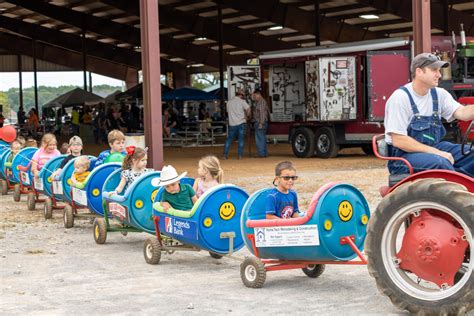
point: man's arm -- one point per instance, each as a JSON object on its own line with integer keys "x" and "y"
{"x": 465, "y": 113}
{"x": 409, "y": 144}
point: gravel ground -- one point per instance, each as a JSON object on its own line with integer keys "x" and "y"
{"x": 46, "y": 269}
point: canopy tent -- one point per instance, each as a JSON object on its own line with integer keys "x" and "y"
{"x": 187, "y": 94}
{"x": 216, "y": 90}
{"x": 111, "y": 97}
{"x": 74, "y": 97}
{"x": 136, "y": 92}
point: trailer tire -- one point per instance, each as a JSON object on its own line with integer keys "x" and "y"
{"x": 302, "y": 142}
{"x": 326, "y": 146}
{"x": 4, "y": 185}
{"x": 368, "y": 150}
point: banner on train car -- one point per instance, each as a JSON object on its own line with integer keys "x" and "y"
{"x": 181, "y": 227}
{"x": 58, "y": 187}
{"x": 287, "y": 236}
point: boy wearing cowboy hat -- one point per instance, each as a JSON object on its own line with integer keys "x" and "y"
{"x": 176, "y": 195}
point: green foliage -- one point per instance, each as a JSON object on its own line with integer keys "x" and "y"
{"x": 5, "y": 103}
{"x": 46, "y": 94}
{"x": 204, "y": 80}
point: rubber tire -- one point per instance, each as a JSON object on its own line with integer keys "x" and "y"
{"x": 16, "y": 193}
{"x": 314, "y": 270}
{"x": 68, "y": 216}
{"x": 4, "y": 187}
{"x": 152, "y": 250}
{"x": 259, "y": 270}
{"x": 445, "y": 193}
{"x": 333, "y": 148}
{"x": 368, "y": 150}
{"x": 308, "y": 135}
{"x": 100, "y": 231}
{"x": 31, "y": 201}
{"x": 215, "y": 255}
{"x": 48, "y": 208}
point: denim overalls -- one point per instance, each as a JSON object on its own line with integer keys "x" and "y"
{"x": 429, "y": 130}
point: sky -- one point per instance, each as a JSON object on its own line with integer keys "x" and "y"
{"x": 54, "y": 79}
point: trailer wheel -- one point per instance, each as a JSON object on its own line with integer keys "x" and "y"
{"x": 152, "y": 251}
{"x": 302, "y": 142}
{"x": 68, "y": 216}
{"x": 215, "y": 255}
{"x": 48, "y": 208}
{"x": 31, "y": 201}
{"x": 16, "y": 193}
{"x": 4, "y": 185}
{"x": 252, "y": 272}
{"x": 326, "y": 146}
{"x": 314, "y": 270}
{"x": 387, "y": 233}
{"x": 100, "y": 231}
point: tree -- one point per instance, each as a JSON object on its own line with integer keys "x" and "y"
{"x": 5, "y": 104}
{"x": 204, "y": 80}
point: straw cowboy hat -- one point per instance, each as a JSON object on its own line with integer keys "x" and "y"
{"x": 169, "y": 175}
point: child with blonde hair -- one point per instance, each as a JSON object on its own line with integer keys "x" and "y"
{"x": 133, "y": 166}
{"x": 210, "y": 174}
{"x": 15, "y": 148}
{"x": 74, "y": 149}
{"x": 47, "y": 151}
{"x": 81, "y": 170}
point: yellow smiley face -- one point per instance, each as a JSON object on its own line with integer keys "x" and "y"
{"x": 345, "y": 211}
{"x": 227, "y": 211}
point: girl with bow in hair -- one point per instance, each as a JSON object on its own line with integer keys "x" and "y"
{"x": 133, "y": 166}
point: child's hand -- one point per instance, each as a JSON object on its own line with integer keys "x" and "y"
{"x": 166, "y": 206}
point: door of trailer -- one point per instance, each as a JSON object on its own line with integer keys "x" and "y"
{"x": 386, "y": 72}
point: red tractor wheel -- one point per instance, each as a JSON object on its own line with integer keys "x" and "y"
{"x": 420, "y": 247}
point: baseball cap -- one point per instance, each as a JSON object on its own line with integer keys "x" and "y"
{"x": 75, "y": 140}
{"x": 427, "y": 60}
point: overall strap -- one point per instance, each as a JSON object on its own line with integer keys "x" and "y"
{"x": 414, "y": 108}
{"x": 434, "y": 96}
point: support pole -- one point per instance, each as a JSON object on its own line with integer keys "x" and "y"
{"x": 221, "y": 55}
{"x": 421, "y": 26}
{"x": 317, "y": 22}
{"x": 84, "y": 59}
{"x": 20, "y": 80}
{"x": 35, "y": 77}
{"x": 90, "y": 82}
{"x": 150, "y": 48}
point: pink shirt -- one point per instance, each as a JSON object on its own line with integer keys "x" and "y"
{"x": 202, "y": 187}
{"x": 41, "y": 157}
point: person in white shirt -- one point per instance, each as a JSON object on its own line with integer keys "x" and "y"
{"x": 238, "y": 112}
{"x": 413, "y": 126}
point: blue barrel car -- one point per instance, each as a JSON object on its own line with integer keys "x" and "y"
{"x": 21, "y": 172}
{"x": 213, "y": 224}
{"x": 332, "y": 230}
{"x": 50, "y": 188}
{"x": 132, "y": 208}
{"x": 5, "y": 175}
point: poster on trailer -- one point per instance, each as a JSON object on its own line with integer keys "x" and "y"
{"x": 312, "y": 90}
{"x": 246, "y": 78}
{"x": 337, "y": 79}
{"x": 286, "y": 89}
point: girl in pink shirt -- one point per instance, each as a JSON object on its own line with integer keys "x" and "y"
{"x": 47, "y": 151}
{"x": 210, "y": 174}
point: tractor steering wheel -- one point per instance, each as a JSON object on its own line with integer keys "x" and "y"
{"x": 465, "y": 139}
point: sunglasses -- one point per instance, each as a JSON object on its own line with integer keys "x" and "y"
{"x": 287, "y": 178}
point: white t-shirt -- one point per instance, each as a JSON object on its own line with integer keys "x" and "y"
{"x": 398, "y": 111}
{"x": 236, "y": 109}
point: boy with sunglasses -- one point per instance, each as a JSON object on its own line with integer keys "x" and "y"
{"x": 282, "y": 201}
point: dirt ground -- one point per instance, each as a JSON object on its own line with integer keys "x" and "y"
{"x": 47, "y": 269}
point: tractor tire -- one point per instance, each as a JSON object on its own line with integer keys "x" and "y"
{"x": 100, "y": 231}
{"x": 16, "y": 193}
{"x": 152, "y": 250}
{"x": 31, "y": 201}
{"x": 407, "y": 290}
{"x": 48, "y": 208}
{"x": 252, "y": 272}
{"x": 4, "y": 187}
{"x": 68, "y": 216}
{"x": 314, "y": 270}
{"x": 326, "y": 146}
{"x": 302, "y": 142}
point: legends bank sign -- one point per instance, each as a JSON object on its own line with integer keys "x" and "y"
{"x": 181, "y": 227}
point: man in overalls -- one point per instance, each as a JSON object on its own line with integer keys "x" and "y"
{"x": 413, "y": 126}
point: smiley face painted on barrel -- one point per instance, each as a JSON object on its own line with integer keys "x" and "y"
{"x": 227, "y": 211}
{"x": 345, "y": 211}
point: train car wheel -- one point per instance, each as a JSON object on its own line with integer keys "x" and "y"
{"x": 252, "y": 272}
{"x": 425, "y": 267}
{"x": 100, "y": 231}
{"x": 314, "y": 270}
{"x": 68, "y": 216}
{"x": 16, "y": 193}
{"x": 215, "y": 255}
{"x": 48, "y": 208}
{"x": 152, "y": 251}
{"x": 30, "y": 201}
{"x": 4, "y": 186}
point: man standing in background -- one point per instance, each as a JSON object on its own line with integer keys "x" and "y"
{"x": 238, "y": 112}
{"x": 260, "y": 116}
